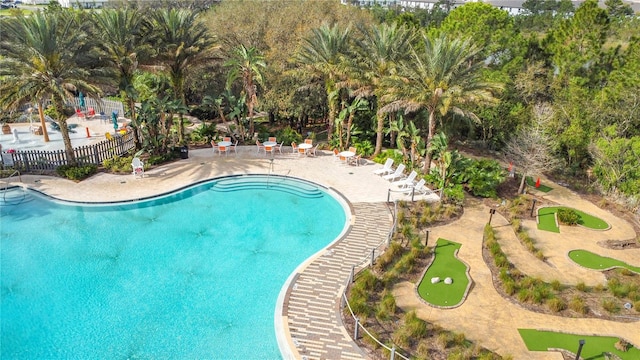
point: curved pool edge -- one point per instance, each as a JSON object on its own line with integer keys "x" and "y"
{"x": 283, "y": 335}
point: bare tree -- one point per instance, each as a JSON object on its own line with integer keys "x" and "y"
{"x": 531, "y": 149}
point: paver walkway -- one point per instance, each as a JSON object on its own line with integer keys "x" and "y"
{"x": 311, "y": 313}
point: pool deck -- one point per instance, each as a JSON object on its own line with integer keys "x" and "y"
{"x": 310, "y": 318}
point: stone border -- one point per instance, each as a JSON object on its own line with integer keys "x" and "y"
{"x": 466, "y": 291}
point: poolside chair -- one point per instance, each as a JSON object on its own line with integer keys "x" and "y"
{"x": 386, "y": 169}
{"x": 223, "y": 149}
{"x": 336, "y": 154}
{"x": 408, "y": 182}
{"x": 312, "y": 151}
{"x": 259, "y": 145}
{"x": 272, "y": 138}
{"x": 268, "y": 149}
{"x": 234, "y": 147}
{"x": 419, "y": 188}
{"x": 226, "y": 138}
{"x": 214, "y": 146}
{"x": 397, "y": 174}
{"x": 308, "y": 141}
{"x": 279, "y": 147}
{"x": 138, "y": 167}
{"x": 294, "y": 146}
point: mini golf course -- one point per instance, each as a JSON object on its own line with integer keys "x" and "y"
{"x": 542, "y": 187}
{"x": 594, "y": 348}
{"x": 594, "y": 261}
{"x": 547, "y": 219}
{"x": 445, "y": 265}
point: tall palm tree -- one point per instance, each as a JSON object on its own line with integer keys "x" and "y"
{"x": 248, "y": 65}
{"x": 122, "y": 41}
{"x": 41, "y": 59}
{"x": 379, "y": 53}
{"x": 441, "y": 76}
{"x": 184, "y": 43}
{"x": 324, "y": 53}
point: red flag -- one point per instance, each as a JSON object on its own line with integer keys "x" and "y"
{"x": 538, "y": 183}
{"x": 510, "y": 166}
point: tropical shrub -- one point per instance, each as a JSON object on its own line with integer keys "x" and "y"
{"x": 76, "y": 173}
{"x": 568, "y": 216}
{"x": 289, "y": 135}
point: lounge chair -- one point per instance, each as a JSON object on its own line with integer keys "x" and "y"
{"x": 138, "y": 167}
{"x": 420, "y": 188}
{"x": 386, "y": 169}
{"x": 408, "y": 182}
{"x": 397, "y": 174}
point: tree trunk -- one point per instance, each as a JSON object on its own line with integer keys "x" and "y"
{"x": 432, "y": 130}
{"x": 43, "y": 123}
{"x": 180, "y": 130}
{"x": 521, "y": 188}
{"x": 379, "y": 134}
{"x": 136, "y": 135}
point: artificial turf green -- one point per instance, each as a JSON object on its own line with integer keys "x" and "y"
{"x": 543, "y": 188}
{"x": 593, "y": 349}
{"x": 547, "y": 219}
{"x": 594, "y": 261}
{"x": 445, "y": 264}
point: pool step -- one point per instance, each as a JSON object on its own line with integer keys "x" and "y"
{"x": 287, "y": 185}
{"x": 14, "y": 196}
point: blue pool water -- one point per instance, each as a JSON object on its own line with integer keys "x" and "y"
{"x": 192, "y": 275}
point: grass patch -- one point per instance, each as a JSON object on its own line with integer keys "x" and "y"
{"x": 543, "y": 188}
{"x": 546, "y": 219}
{"x": 594, "y": 348}
{"x": 594, "y": 261}
{"x": 445, "y": 264}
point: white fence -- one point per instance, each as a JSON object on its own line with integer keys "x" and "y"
{"x": 101, "y": 106}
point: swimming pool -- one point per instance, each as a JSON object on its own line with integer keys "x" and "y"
{"x": 193, "y": 274}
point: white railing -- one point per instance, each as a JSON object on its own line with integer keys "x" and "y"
{"x": 104, "y": 106}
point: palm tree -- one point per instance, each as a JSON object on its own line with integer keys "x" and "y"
{"x": 323, "y": 52}
{"x": 441, "y": 76}
{"x": 184, "y": 43}
{"x": 41, "y": 57}
{"x": 247, "y": 64}
{"x": 122, "y": 42}
{"x": 379, "y": 52}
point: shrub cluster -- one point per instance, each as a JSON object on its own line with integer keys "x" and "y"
{"x": 568, "y": 216}
{"x": 76, "y": 173}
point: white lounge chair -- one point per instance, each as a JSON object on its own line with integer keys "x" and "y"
{"x": 138, "y": 167}
{"x": 397, "y": 174}
{"x": 408, "y": 182}
{"x": 386, "y": 169}
{"x": 419, "y": 189}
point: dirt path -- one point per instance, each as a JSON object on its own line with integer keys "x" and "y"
{"x": 490, "y": 319}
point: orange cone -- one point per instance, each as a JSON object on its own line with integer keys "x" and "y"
{"x": 88, "y": 135}
{"x": 538, "y": 183}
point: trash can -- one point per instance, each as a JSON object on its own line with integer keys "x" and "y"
{"x": 184, "y": 152}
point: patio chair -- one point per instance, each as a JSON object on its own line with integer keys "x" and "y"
{"x": 259, "y": 145}
{"x": 223, "y": 149}
{"x": 408, "y": 182}
{"x": 308, "y": 141}
{"x": 234, "y": 147}
{"x": 268, "y": 149}
{"x": 279, "y": 147}
{"x": 272, "y": 138}
{"x": 138, "y": 167}
{"x": 226, "y": 138}
{"x": 312, "y": 151}
{"x": 214, "y": 146}
{"x": 294, "y": 146}
{"x": 397, "y": 174}
{"x": 336, "y": 154}
{"x": 386, "y": 169}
